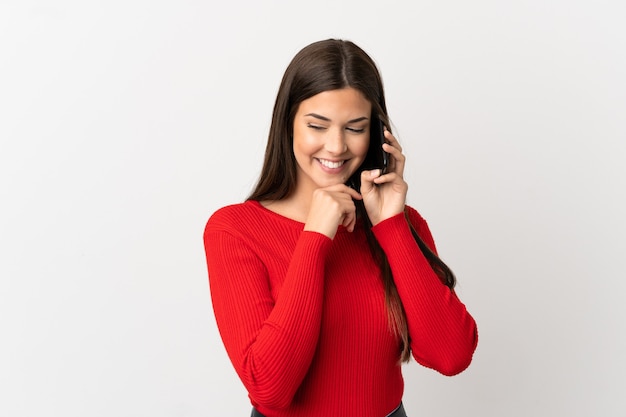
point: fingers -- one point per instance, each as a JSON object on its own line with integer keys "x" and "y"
{"x": 382, "y": 179}
{"x": 393, "y": 148}
{"x": 395, "y": 170}
{"x": 367, "y": 180}
{"x": 391, "y": 139}
{"x": 345, "y": 189}
{"x": 331, "y": 207}
{"x": 349, "y": 221}
{"x": 370, "y": 179}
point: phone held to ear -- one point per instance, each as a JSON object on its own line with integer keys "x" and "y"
{"x": 377, "y": 158}
{"x": 385, "y": 155}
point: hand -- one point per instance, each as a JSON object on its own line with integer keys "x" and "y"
{"x": 384, "y": 196}
{"x": 330, "y": 207}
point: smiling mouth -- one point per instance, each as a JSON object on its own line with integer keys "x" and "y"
{"x": 331, "y": 164}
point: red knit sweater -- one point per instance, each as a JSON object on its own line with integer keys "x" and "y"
{"x": 303, "y": 317}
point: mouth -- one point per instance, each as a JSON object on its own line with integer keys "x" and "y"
{"x": 331, "y": 164}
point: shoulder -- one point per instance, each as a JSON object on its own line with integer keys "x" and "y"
{"x": 249, "y": 218}
{"x": 230, "y": 218}
{"x": 228, "y": 215}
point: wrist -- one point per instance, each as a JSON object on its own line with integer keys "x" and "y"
{"x": 324, "y": 230}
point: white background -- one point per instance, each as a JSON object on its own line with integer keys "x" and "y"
{"x": 125, "y": 124}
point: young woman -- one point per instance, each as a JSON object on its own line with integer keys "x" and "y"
{"x": 323, "y": 282}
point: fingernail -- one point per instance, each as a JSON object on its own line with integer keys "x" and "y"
{"x": 375, "y": 173}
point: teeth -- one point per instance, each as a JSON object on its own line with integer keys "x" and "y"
{"x": 331, "y": 164}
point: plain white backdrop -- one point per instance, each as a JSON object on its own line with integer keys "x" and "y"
{"x": 125, "y": 124}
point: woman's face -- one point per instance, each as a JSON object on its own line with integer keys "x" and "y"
{"x": 331, "y": 132}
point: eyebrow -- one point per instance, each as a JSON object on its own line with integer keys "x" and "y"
{"x": 326, "y": 119}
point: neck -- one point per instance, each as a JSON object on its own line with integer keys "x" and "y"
{"x": 295, "y": 207}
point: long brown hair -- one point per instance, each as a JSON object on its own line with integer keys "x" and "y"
{"x": 322, "y": 66}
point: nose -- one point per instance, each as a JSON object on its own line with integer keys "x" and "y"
{"x": 336, "y": 142}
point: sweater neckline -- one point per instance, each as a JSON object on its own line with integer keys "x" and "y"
{"x": 282, "y": 218}
{"x": 287, "y": 220}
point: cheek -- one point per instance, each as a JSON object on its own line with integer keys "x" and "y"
{"x": 360, "y": 148}
{"x": 304, "y": 142}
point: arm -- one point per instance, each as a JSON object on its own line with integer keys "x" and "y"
{"x": 443, "y": 334}
{"x": 271, "y": 344}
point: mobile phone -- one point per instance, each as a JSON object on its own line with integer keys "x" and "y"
{"x": 384, "y": 162}
{"x": 376, "y": 157}
{"x": 377, "y": 139}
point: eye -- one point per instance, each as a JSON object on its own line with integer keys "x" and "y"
{"x": 315, "y": 127}
{"x": 355, "y": 130}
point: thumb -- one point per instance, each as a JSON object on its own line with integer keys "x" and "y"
{"x": 367, "y": 180}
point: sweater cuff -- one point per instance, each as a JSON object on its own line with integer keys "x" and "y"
{"x": 391, "y": 230}
{"x": 314, "y": 242}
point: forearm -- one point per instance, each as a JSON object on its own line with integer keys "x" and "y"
{"x": 270, "y": 342}
{"x": 442, "y": 332}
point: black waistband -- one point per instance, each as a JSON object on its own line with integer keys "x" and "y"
{"x": 398, "y": 412}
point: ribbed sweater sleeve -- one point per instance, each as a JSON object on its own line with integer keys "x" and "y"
{"x": 271, "y": 343}
{"x": 443, "y": 334}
